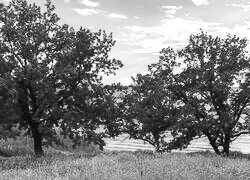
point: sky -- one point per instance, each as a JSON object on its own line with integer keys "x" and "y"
{"x": 142, "y": 28}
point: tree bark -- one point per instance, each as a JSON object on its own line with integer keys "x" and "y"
{"x": 226, "y": 145}
{"x": 156, "y": 141}
{"x": 213, "y": 144}
{"x": 37, "y": 138}
{"x": 27, "y": 117}
{"x": 215, "y": 147}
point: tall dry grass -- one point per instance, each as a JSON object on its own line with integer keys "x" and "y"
{"x": 133, "y": 166}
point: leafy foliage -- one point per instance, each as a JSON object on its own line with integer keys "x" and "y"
{"x": 210, "y": 79}
{"x": 150, "y": 112}
{"x": 8, "y": 113}
{"x": 55, "y": 71}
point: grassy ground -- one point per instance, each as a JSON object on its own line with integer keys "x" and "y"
{"x": 89, "y": 164}
{"x": 127, "y": 166}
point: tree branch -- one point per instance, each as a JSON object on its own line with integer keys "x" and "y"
{"x": 242, "y": 108}
{"x": 234, "y": 137}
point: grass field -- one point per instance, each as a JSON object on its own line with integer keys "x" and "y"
{"x": 126, "y": 166}
{"x": 87, "y": 163}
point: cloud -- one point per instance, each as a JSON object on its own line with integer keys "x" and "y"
{"x": 170, "y": 32}
{"x": 238, "y": 30}
{"x": 170, "y": 10}
{"x": 86, "y": 11}
{"x": 117, "y": 16}
{"x": 200, "y": 2}
{"x": 175, "y": 33}
{"x": 244, "y": 7}
{"x": 66, "y": 1}
{"x": 91, "y": 11}
{"x": 90, "y": 3}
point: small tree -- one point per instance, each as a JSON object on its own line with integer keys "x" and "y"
{"x": 55, "y": 72}
{"x": 149, "y": 111}
{"x": 211, "y": 81}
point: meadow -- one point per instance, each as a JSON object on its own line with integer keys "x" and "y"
{"x": 127, "y": 166}
{"x": 90, "y": 164}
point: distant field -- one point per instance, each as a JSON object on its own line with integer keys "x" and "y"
{"x": 242, "y": 144}
{"x": 130, "y": 166}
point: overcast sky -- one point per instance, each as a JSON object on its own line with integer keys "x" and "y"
{"x": 142, "y": 28}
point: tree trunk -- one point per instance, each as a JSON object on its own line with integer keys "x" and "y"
{"x": 37, "y": 137}
{"x": 157, "y": 142}
{"x": 215, "y": 147}
{"x": 226, "y": 145}
{"x": 213, "y": 144}
{"x": 27, "y": 117}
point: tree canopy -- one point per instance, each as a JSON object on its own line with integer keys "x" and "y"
{"x": 210, "y": 79}
{"x": 149, "y": 111}
{"x": 55, "y": 72}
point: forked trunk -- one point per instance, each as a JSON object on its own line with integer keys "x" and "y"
{"x": 225, "y": 145}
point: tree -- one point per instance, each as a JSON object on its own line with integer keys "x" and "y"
{"x": 149, "y": 112}
{"x": 210, "y": 79}
{"x": 56, "y": 72}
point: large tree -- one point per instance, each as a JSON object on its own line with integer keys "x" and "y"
{"x": 56, "y": 72}
{"x": 149, "y": 111}
{"x": 210, "y": 80}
